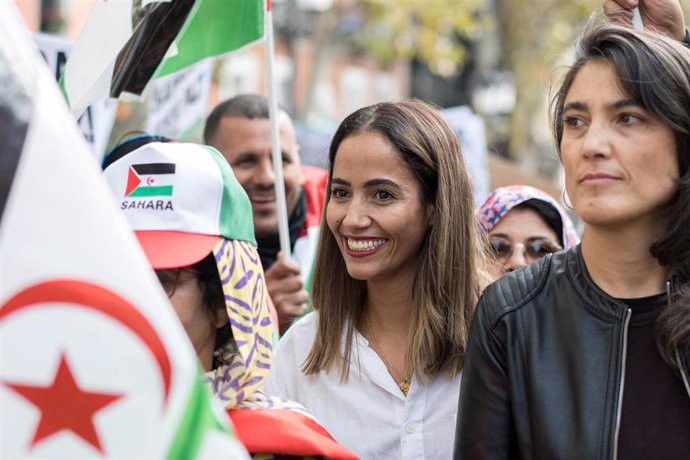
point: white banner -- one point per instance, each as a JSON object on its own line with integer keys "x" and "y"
{"x": 177, "y": 103}
{"x": 98, "y": 119}
{"x": 470, "y": 128}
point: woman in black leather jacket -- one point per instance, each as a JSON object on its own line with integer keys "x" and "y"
{"x": 585, "y": 353}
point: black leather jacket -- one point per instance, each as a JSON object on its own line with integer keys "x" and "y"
{"x": 545, "y": 367}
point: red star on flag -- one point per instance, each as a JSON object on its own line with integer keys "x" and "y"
{"x": 65, "y": 406}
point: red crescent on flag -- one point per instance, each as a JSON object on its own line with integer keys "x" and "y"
{"x": 94, "y": 297}
{"x": 149, "y": 180}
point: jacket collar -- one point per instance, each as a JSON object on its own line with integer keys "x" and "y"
{"x": 603, "y": 305}
{"x": 600, "y": 303}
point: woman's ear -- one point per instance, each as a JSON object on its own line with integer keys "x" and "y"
{"x": 221, "y": 318}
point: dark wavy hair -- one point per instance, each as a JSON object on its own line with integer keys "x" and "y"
{"x": 653, "y": 71}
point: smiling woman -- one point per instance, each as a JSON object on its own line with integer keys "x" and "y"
{"x": 399, "y": 270}
{"x": 376, "y": 211}
{"x": 562, "y": 359}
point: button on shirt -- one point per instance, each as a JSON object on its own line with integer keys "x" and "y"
{"x": 368, "y": 414}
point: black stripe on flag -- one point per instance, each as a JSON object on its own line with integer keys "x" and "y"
{"x": 155, "y": 168}
{"x": 144, "y": 51}
{"x": 16, "y": 108}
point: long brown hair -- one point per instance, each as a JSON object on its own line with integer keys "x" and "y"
{"x": 654, "y": 71}
{"x": 452, "y": 269}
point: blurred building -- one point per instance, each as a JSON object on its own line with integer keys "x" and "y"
{"x": 322, "y": 78}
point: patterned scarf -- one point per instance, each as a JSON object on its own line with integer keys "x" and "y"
{"x": 503, "y": 199}
{"x": 242, "y": 366}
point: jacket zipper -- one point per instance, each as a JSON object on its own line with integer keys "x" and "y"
{"x": 619, "y": 408}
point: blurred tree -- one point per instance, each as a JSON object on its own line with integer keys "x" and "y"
{"x": 434, "y": 32}
{"x": 533, "y": 34}
{"x": 535, "y": 37}
{"x": 525, "y": 39}
{"x": 428, "y": 30}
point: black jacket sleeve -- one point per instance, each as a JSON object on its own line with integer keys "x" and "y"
{"x": 485, "y": 428}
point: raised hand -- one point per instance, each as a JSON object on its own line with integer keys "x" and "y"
{"x": 286, "y": 290}
{"x": 664, "y": 16}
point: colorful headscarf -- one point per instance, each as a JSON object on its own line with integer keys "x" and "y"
{"x": 242, "y": 366}
{"x": 503, "y": 199}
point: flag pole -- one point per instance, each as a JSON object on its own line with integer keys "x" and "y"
{"x": 281, "y": 203}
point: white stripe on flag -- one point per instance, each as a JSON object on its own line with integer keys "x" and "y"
{"x": 81, "y": 311}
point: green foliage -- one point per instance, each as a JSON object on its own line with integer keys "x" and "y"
{"x": 431, "y": 30}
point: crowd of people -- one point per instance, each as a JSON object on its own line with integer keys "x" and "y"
{"x": 438, "y": 330}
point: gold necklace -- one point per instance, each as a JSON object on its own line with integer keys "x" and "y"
{"x": 404, "y": 384}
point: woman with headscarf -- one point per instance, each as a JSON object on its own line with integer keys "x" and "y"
{"x": 524, "y": 224}
{"x": 194, "y": 222}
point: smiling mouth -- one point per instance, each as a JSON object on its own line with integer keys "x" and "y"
{"x": 364, "y": 245}
{"x": 262, "y": 199}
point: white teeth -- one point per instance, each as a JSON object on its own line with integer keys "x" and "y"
{"x": 364, "y": 245}
{"x": 257, "y": 199}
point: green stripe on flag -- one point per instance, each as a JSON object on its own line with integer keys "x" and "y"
{"x": 236, "y": 217}
{"x": 63, "y": 89}
{"x": 159, "y": 190}
{"x": 215, "y": 27}
{"x": 197, "y": 420}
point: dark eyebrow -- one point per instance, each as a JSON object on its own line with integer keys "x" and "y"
{"x": 338, "y": 181}
{"x": 377, "y": 182}
{"x": 581, "y": 106}
{"x": 246, "y": 156}
{"x": 577, "y": 105}
{"x": 369, "y": 183}
{"x": 623, "y": 103}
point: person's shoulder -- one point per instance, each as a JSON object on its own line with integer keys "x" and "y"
{"x": 301, "y": 334}
{"x": 517, "y": 288}
{"x": 308, "y": 323}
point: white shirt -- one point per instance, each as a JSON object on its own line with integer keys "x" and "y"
{"x": 368, "y": 414}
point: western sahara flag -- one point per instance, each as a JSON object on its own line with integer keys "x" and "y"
{"x": 126, "y": 43}
{"x": 93, "y": 359}
{"x": 141, "y": 182}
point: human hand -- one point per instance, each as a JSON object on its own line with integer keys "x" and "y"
{"x": 664, "y": 16}
{"x": 286, "y": 290}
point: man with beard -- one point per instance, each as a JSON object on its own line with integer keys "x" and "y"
{"x": 241, "y": 130}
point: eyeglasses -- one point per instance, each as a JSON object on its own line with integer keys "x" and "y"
{"x": 533, "y": 248}
{"x": 170, "y": 279}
